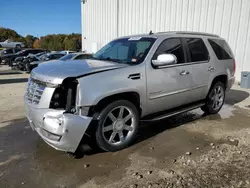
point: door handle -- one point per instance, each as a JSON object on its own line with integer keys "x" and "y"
{"x": 211, "y": 69}
{"x": 184, "y": 73}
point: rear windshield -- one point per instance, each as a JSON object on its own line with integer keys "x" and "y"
{"x": 221, "y": 49}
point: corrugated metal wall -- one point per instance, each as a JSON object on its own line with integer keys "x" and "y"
{"x": 103, "y": 20}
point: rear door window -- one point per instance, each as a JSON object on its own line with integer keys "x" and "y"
{"x": 221, "y": 49}
{"x": 171, "y": 46}
{"x": 197, "y": 49}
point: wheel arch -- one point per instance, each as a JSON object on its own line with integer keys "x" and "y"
{"x": 132, "y": 96}
{"x": 220, "y": 78}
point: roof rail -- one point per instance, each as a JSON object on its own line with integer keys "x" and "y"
{"x": 190, "y": 33}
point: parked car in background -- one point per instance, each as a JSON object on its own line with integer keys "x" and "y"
{"x": 67, "y": 52}
{"x": 131, "y": 79}
{"x": 8, "y": 51}
{"x": 76, "y": 56}
{"x": 8, "y": 59}
{"x": 11, "y": 44}
{"x": 43, "y": 58}
{"x": 22, "y": 61}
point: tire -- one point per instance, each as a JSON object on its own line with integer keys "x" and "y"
{"x": 215, "y": 99}
{"x": 120, "y": 128}
{"x": 18, "y": 46}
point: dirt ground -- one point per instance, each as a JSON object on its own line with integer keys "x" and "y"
{"x": 189, "y": 150}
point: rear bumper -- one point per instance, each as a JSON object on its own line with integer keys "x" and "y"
{"x": 64, "y": 135}
{"x": 230, "y": 83}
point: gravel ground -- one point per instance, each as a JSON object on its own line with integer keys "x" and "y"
{"x": 189, "y": 150}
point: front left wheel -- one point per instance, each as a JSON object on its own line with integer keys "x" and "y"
{"x": 117, "y": 125}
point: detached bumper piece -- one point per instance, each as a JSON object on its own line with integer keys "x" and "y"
{"x": 63, "y": 131}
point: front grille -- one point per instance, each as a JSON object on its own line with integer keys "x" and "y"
{"x": 34, "y": 91}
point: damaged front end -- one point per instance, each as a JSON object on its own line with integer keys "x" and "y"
{"x": 53, "y": 112}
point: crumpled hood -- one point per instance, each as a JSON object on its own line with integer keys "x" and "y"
{"x": 56, "y": 71}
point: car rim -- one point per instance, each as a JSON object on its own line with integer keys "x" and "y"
{"x": 217, "y": 97}
{"x": 119, "y": 125}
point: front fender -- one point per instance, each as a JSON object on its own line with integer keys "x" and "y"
{"x": 95, "y": 87}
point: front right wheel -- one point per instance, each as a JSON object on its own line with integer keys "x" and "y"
{"x": 215, "y": 99}
{"x": 117, "y": 125}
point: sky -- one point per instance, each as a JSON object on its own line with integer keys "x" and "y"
{"x": 41, "y": 17}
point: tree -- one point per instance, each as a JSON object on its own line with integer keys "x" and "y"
{"x": 9, "y": 34}
{"x": 50, "y": 42}
{"x": 73, "y": 42}
{"x": 36, "y": 43}
{"x": 29, "y": 40}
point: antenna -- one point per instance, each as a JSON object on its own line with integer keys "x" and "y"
{"x": 151, "y": 33}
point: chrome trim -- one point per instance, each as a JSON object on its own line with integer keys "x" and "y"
{"x": 44, "y": 83}
{"x": 34, "y": 92}
{"x": 175, "y": 92}
{"x": 182, "y": 64}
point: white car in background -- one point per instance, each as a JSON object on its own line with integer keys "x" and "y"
{"x": 11, "y": 44}
{"x": 67, "y": 52}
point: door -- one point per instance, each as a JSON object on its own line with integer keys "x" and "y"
{"x": 198, "y": 60}
{"x": 169, "y": 86}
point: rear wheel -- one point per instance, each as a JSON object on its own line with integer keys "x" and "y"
{"x": 117, "y": 126}
{"x": 215, "y": 99}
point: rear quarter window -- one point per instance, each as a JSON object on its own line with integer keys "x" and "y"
{"x": 221, "y": 49}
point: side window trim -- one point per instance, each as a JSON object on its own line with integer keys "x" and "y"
{"x": 186, "y": 51}
{"x": 189, "y": 62}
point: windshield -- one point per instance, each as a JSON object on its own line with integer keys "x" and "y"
{"x": 67, "y": 57}
{"x": 127, "y": 50}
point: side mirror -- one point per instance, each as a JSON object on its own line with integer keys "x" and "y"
{"x": 164, "y": 59}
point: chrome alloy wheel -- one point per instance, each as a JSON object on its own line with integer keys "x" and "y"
{"x": 217, "y": 98}
{"x": 119, "y": 125}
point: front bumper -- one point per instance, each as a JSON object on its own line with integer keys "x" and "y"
{"x": 65, "y": 136}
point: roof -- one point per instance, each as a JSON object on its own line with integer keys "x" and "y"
{"x": 188, "y": 33}
{"x": 173, "y": 33}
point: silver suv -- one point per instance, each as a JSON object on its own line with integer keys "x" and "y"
{"x": 136, "y": 78}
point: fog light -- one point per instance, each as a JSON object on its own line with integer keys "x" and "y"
{"x": 50, "y": 136}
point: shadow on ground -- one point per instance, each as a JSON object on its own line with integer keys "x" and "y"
{"x": 14, "y": 80}
{"x": 235, "y": 96}
{"x": 9, "y": 73}
{"x": 149, "y": 130}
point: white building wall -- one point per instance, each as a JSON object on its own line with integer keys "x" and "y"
{"x": 104, "y": 20}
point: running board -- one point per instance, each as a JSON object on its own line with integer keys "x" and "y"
{"x": 174, "y": 112}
